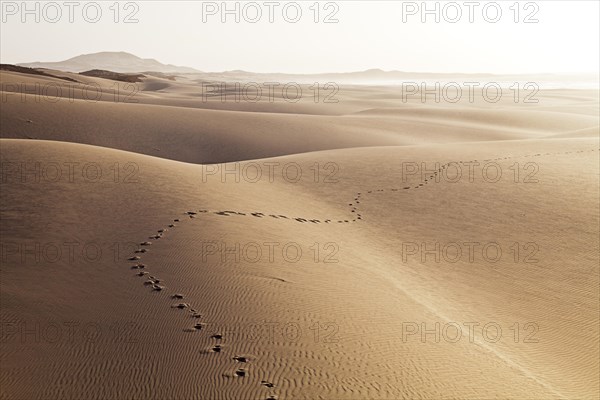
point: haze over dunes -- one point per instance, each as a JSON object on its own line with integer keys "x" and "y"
{"x": 372, "y": 246}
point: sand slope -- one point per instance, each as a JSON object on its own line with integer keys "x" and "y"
{"x": 145, "y": 348}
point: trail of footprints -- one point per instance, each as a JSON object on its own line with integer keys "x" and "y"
{"x": 355, "y": 215}
{"x": 157, "y": 285}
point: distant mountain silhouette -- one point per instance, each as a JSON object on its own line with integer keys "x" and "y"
{"x": 111, "y": 61}
{"x": 126, "y": 63}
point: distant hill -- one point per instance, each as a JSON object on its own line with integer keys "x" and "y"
{"x": 110, "y": 61}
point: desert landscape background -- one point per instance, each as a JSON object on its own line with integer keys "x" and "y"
{"x": 172, "y": 233}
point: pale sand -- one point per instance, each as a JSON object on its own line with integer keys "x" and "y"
{"x": 366, "y": 296}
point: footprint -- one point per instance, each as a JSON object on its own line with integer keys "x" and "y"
{"x": 181, "y": 306}
{"x": 217, "y": 348}
{"x": 267, "y": 384}
{"x": 157, "y": 288}
{"x": 142, "y": 273}
{"x": 141, "y": 251}
{"x": 217, "y": 336}
{"x": 145, "y": 243}
{"x": 177, "y": 296}
{"x": 240, "y": 372}
{"x": 241, "y": 359}
{"x": 134, "y": 258}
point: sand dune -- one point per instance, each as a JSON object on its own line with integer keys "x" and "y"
{"x": 188, "y": 130}
{"x": 176, "y": 281}
{"x": 230, "y": 296}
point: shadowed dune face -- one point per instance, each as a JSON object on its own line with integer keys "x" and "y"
{"x": 372, "y": 248}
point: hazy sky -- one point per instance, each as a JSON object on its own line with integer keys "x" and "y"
{"x": 368, "y": 34}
